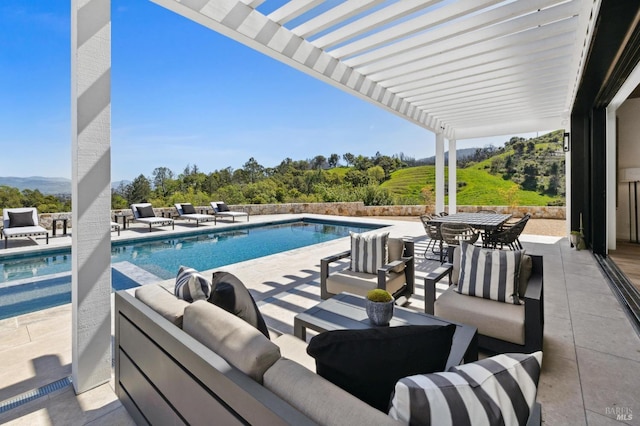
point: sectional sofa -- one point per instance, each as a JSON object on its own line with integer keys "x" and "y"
{"x": 195, "y": 363}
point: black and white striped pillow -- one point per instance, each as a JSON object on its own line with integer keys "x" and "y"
{"x": 368, "y": 252}
{"x": 500, "y": 390}
{"x": 191, "y": 286}
{"x": 490, "y": 274}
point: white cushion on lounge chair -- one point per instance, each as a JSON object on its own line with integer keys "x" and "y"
{"x": 214, "y": 205}
{"x": 193, "y": 216}
{"x": 149, "y": 220}
{"x": 22, "y": 231}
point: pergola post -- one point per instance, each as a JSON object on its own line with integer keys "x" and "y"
{"x": 91, "y": 192}
{"x": 439, "y": 172}
{"x": 453, "y": 183}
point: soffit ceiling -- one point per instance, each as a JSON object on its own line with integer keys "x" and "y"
{"x": 465, "y": 68}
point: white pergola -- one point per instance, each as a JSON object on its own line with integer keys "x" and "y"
{"x": 461, "y": 69}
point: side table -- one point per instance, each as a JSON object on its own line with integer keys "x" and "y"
{"x": 54, "y": 223}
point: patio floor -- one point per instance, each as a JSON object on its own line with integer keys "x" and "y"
{"x": 591, "y": 365}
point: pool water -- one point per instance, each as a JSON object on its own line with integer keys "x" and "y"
{"x": 28, "y": 284}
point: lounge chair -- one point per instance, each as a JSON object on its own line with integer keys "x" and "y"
{"x": 115, "y": 226}
{"x": 143, "y": 213}
{"x": 221, "y": 209}
{"x": 21, "y": 222}
{"x": 188, "y": 212}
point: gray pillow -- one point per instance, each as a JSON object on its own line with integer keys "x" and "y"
{"x": 146, "y": 211}
{"x": 188, "y": 209}
{"x": 20, "y": 219}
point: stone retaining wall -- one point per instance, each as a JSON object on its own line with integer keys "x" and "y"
{"x": 356, "y": 209}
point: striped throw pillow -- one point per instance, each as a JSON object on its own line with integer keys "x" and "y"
{"x": 500, "y": 390}
{"x": 490, "y": 274}
{"x": 368, "y": 252}
{"x": 191, "y": 286}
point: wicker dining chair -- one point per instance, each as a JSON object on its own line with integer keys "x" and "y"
{"x": 435, "y": 237}
{"x": 455, "y": 233}
{"x": 509, "y": 235}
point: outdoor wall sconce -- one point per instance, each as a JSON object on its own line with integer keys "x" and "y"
{"x": 566, "y": 142}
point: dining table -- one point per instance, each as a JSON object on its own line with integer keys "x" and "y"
{"x": 485, "y": 222}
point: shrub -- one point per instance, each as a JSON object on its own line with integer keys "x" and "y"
{"x": 379, "y": 295}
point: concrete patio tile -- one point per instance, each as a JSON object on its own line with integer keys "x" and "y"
{"x": 607, "y": 335}
{"x": 556, "y": 303}
{"x": 591, "y": 270}
{"x": 603, "y": 305}
{"x": 619, "y": 376}
{"x": 11, "y": 338}
{"x": 559, "y": 392}
{"x": 9, "y": 324}
{"x": 594, "y": 285}
{"x": 558, "y": 338}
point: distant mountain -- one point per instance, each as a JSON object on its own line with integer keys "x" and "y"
{"x": 46, "y": 185}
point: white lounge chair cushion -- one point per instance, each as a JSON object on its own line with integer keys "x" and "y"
{"x": 153, "y": 220}
{"x": 24, "y": 231}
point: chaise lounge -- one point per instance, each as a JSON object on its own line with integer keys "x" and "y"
{"x": 143, "y": 213}
{"x": 22, "y": 222}
{"x": 221, "y": 209}
{"x": 188, "y": 212}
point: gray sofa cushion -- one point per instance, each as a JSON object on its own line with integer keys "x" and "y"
{"x": 504, "y": 321}
{"x": 240, "y": 344}
{"x": 321, "y": 400}
{"x": 296, "y": 350}
{"x": 360, "y": 283}
{"x": 163, "y": 302}
{"x": 395, "y": 248}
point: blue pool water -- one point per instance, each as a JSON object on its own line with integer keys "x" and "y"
{"x": 32, "y": 283}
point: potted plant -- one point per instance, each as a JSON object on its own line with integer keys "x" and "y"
{"x": 573, "y": 238}
{"x": 379, "y": 306}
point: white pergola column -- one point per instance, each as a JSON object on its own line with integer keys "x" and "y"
{"x": 91, "y": 192}
{"x": 439, "y": 172}
{"x": 453, "y": 182}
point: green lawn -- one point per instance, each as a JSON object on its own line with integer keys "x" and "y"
{"x": 476, "y": 187}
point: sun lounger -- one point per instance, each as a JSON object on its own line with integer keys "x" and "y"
{"x": 22, "y": 222}
{"x": 143, "y": 213}
{"x": 188, "y": 212}
{"x": 221, "y": 209}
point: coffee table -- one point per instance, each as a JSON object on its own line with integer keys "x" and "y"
{"x": 346, "y": 311}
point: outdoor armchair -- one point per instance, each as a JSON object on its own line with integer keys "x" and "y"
{"x": 502, "y": 326}
{"x": 188, "y": 212}
{"x": 221, "y": 209}
{"x": 143, "y": 213}
{"x": 21, "y": 222}
{"x": 397, "y": 276}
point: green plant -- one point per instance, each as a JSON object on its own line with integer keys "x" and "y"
{"x": 379, "y": 295}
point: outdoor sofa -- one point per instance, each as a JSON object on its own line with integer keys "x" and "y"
{"x": 178, "y": 362}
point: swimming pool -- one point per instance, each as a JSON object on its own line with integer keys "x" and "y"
{"x": 37, "y": 282}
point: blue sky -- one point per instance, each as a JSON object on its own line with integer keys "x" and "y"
{"x": 181, "y": 94}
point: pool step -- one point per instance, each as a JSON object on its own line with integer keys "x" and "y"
{"x": 136, "y": 273}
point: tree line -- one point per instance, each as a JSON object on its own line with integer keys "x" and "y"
{"x": 320, "y": 179}
{"x": 11, "y": 197}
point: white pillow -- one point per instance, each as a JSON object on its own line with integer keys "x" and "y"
{"x": 191, "y": 285}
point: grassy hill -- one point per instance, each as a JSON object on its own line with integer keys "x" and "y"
{"x": 497, "y": 180}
